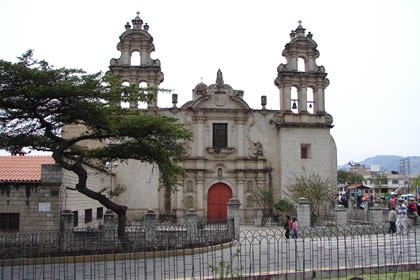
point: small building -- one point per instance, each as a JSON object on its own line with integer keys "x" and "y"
{"x": 34, "y": 191}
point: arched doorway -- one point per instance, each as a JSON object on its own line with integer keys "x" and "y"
{"x": 217, "y": 199}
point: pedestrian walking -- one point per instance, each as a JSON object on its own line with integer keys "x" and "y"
{"x": 392, "y": 219}
{"x": 294, "y": 228}
{"x": 412, "y": 211}
{"x": 401, "y": 216}
{"x": 287, "y": 227}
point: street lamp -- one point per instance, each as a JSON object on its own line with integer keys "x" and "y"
{"x": 110, "y": 166}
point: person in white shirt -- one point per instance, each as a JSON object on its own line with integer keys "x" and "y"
{"x": 401, "y": 216}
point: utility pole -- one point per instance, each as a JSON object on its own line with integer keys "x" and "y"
{"x": 405, "y": 170}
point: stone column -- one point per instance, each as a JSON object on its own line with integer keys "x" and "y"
{"x": 125, "y": 57}
{"x": 150, "y": 220}
{"x": 285, "y": 98}
{"x": 303, "y": 212}
{"x": 302, "y": 99}
{"x": 320, "y": 101}
{"x": 199, "y": 184}
{"x": 340, "y": 215}
{"x": 191, "y": 219}
{"x": 242, "y": 146}
{"x": 199, "y": 138}
{"x": 240, "y": 189}
{"x": 134, "y": 104}
{"x": 153, "y": 86}
{"x": 66, "y": 229}
{"x": 179, "y": 197}
{"x": 234, "y": 212}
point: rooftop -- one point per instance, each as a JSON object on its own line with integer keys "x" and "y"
{"x": 22, "y": 168}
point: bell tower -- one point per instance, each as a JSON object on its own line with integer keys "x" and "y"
{"x": 302, "y": 83}
{"x": 137, "y": 40}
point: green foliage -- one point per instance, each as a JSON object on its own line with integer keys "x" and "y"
{"x": 378, "y": 179}
{"x": 313, "y": 187}
{"x": 416, "y": 182}
{"x": 224, "y": 270}
{"x": 115, "y": 191}
{"x": 263, "y": 196}
{"x": 348, "y": 178}
{"x": 283, "y": 205}
{"x": 38, "y": 101}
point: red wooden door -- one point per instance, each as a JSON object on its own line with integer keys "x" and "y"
{"x": 217, "y": 199}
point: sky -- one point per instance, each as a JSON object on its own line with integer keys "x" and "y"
{"x": 370, "y": 50}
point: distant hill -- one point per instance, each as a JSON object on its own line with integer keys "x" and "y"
{"x": 389, "y": 163}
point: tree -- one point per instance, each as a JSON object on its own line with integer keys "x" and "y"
{"x": 37, "y": 101}
{"x": 283, "y": 205}
{"x": 313, "y": 187}
{"x": 378, "y": 179}
{"x": 416, "y": 182}
{"x": 263, "y": 196}
{"x": 348, "y": 178}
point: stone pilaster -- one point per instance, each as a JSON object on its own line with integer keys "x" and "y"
{"x": 340, "y": 215}
{"x": 233, "y": 212}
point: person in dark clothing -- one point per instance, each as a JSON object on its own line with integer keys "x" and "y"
{"x": 287, "y": 227}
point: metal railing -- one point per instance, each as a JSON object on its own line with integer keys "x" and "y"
{"x": 318, "y": 253}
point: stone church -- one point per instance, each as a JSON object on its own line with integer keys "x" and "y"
{"x": 235, "y": 148}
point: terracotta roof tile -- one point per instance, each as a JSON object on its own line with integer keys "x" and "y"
{"x": 22, "y": 168}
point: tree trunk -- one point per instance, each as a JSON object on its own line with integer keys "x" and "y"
{"x": 76, "y": 166}
{"x": 167, "y": 202}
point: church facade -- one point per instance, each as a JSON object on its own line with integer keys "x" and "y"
{"x": 235, "y": 149}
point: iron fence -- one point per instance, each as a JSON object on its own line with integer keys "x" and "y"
{"x": 318, "y": 253}
{"x": 138, "y": 237}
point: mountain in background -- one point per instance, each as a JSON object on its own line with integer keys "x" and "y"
{"x": 389, "y": 163}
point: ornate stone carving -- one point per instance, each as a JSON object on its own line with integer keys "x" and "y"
{"x": 255, "y": 149}
{"x": 282, "y": 67}
{"x": 278, "y": 118}
{"x": 328, "y": 119}
{"x": 188, "y": 149}
{"x": 219, "y": 78}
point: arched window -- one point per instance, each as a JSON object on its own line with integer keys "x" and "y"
{"x": 124, "y": 97}
{"x": 219, "y": 172}
{"x": 301, "y": 64}
{"x": 143, "y": 89}
{"x": 135, "y": 58}
{"x": 294, "y": 100}
{"x": 310, "y": 100}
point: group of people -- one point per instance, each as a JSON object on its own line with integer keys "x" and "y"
{"x": 290, "y": 226}
{"x": 401, "y": 216}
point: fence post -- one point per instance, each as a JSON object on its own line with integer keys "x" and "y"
{"x": 340, "y": 215}
{"x": 66, "y": 229}
{"x": 150, "y": 218}
{"x": 234, "y": 212}
{"x": 377, "y": 214}
{"x": 109, "y": 226}
{"x": 191, "y": 221}
{"x": 303, "y": 212}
